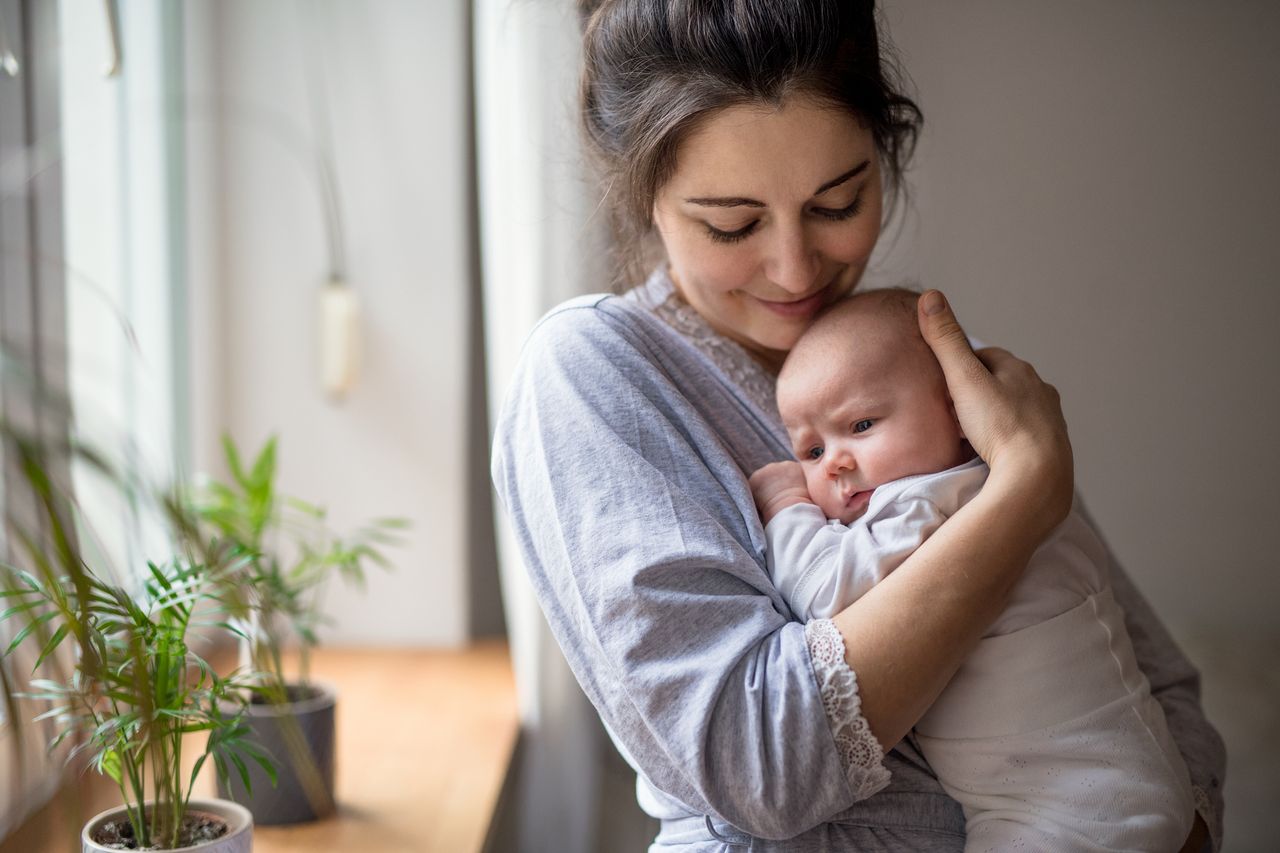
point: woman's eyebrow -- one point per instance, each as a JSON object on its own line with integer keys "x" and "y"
{"x": 726, "y": 202}
{"x": 835, "y": 182}
{"x": 741, "y": 201}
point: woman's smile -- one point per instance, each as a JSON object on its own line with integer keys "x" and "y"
{"x": 804, "y": 307}
{"x": 806, "y": 180}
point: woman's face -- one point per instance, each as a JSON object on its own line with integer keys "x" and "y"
{"x": 770, "y": 215}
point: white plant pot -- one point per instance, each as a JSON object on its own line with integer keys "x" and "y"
{"x": 238, "y": 838}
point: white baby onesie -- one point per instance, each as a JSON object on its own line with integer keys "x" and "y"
{"x": 1047, "y": 735}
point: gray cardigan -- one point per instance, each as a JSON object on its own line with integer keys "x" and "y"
{"x": 621, "y": 455}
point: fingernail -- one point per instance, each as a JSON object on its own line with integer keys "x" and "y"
{"x": 934, "y": 302}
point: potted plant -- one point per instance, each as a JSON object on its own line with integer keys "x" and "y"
{"x": 135, "y": 689}
{"x": 287, "y": 555}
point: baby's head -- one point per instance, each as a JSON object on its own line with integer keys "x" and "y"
{"x": 865, "y": 402}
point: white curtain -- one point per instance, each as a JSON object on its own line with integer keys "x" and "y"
{"x": 542, "y": 242}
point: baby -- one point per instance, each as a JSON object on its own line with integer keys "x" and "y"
{"x": 1047, "y": 735}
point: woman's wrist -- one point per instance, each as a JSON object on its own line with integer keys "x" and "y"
{"x": 1033, "y": 493}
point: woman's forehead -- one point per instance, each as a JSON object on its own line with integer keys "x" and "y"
{"x": 775, "y": 152}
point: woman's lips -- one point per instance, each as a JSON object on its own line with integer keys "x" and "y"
{"x": 806, "y": 307}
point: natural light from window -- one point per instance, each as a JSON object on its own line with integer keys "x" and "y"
{"x": 120, "y": 212}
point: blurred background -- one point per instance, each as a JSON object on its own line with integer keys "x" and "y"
{"x": 193, "y": 194}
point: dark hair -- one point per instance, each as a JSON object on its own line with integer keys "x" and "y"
{"x": 652, "y": 69}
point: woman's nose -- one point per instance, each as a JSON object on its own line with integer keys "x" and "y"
{"x": 794, "y": 264}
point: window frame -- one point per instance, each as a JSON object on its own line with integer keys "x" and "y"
{"x": 33, "y": 341}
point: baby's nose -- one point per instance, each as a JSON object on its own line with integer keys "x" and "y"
{"x": 839, "y": 461}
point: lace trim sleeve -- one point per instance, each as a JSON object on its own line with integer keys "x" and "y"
{"x": 859, "y": 750}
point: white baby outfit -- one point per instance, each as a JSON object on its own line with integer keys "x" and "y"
{"x": 1047, "y": 735}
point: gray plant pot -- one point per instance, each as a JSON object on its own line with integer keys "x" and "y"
{"x": 299, "y": 736}
{"x": 238, "y": 838}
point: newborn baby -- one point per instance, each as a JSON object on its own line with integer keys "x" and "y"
{"x": 1047, "y": 735}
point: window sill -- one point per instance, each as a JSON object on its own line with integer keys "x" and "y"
{"x": 424, "y": 741}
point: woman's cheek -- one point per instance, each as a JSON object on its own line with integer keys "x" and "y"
{"x": 728, "y": 268}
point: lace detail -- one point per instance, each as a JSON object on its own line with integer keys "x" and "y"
{"x": 859, "y": 750}
{"x": 1205, "y": 809}
{"x": 659, "y": 295}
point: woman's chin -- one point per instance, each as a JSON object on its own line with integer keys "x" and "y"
{"x": 781, "y": 337}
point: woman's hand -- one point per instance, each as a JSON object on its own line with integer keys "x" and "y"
{"x": 1009, "y": 414}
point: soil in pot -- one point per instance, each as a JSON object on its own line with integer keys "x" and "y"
{"x": 213, "y": 826}
{"x": 197, "y": 828}
{"x": 293, "y": 694}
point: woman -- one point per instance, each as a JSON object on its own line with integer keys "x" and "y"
{"x": 758, "y": 140}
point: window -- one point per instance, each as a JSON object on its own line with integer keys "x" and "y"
{"x": 88, "y": 284}
{"x": 31, "y": 314}
{"x": 121, "y": 134}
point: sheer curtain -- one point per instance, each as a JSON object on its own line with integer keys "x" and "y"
{"x": 542, "y": 242}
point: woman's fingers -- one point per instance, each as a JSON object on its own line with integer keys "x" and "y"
{"x": 1008, "y": 369}
{"x": 995, "y": 357}
{"x": 1006, "y": 411}
{"x": 950, "y": 345}
{"x": 974, "y": 385}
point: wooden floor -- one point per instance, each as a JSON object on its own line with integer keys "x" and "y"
{"x": 424, "y": 741}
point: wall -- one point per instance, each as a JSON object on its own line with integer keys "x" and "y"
{"x": 1096, "y": 190}
{"x": 391, "y": 76}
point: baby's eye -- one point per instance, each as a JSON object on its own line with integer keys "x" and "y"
{"x": 813, "y": 453}
{"x": 862, "y": 425}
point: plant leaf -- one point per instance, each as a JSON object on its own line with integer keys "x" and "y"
{"x": 110, "y": 764}
{"x": 31, "y": 626}
{"x": 53, "y": 643}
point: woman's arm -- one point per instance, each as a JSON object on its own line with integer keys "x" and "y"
{"x": 639, "y": 535}
{"x": 909, "y": 634}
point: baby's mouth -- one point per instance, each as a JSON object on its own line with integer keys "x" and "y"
{"x": 858, "y": 497}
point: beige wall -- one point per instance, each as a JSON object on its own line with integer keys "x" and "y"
{"x": 1098, "y": 190}
{"x": 393, "y": 80}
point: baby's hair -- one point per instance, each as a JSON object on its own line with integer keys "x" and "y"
{"x": 894, "y": 305}
{"x": 894, "y": 298}
{"x": 896, "y": 302}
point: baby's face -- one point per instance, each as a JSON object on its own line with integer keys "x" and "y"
{"x": 864, "y": 412}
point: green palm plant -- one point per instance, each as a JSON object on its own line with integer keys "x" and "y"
{"x": 134, "y": 688}
{"x": 287, "y": 552}
{"x": 142, "y": 690}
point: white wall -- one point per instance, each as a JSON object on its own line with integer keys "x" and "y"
{"x": 393, "y": 71}
{"x": 1097, "y": 191}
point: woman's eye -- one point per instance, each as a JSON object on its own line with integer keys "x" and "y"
{"x": 862, "y": 425}
{"x": 814, "y": 453}
{"x": 730, "y": 236}
{"x": 843, "y": 213}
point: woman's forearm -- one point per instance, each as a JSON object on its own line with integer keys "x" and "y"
{"x": 907, "y": 636}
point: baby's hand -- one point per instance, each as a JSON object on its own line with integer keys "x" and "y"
{"x": 777, "y": 486}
